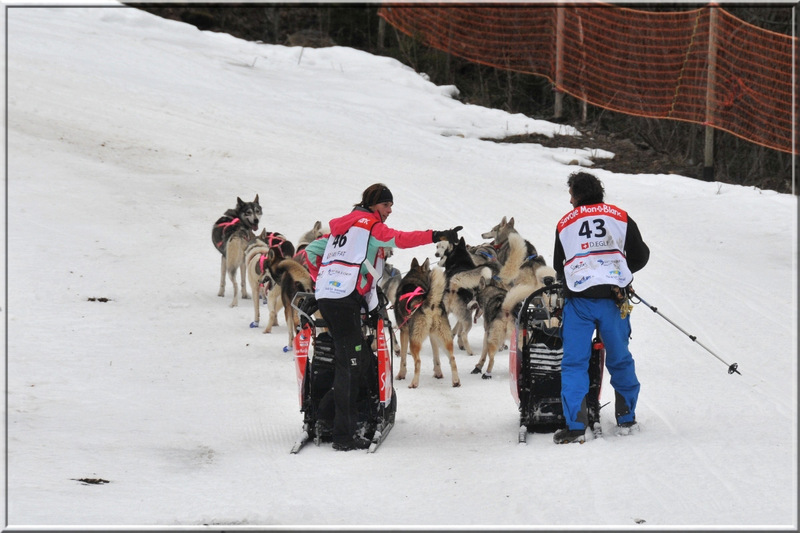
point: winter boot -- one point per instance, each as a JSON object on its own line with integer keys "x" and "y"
{"x": 627, "y": 428}
{"x": 566, "y": 436}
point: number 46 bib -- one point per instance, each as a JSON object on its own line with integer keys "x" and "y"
{"x": 341, "y": 262}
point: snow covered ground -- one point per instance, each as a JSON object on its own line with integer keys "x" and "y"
{"x": 129, "y": 135}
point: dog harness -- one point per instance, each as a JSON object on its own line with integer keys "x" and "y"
{"x": 275, "y": 241}
{"x": 225, "y": 227}
{"x": 228, "y": 224}
{"x": 487, "y": 255}
{"x": 419, "y": 291}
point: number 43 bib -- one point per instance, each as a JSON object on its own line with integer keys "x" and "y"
{"x": 593, "y": 237}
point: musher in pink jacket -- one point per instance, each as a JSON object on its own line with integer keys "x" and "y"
{"x": 346, "y": 288}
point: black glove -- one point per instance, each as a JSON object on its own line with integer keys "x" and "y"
{"x": 450, "y": 235}
{"x": 309, "y": 307}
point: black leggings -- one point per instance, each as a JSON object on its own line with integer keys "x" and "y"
{"x": 343, "y": 318}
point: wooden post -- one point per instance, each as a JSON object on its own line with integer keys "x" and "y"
{"x": 276, "y": 24}
{"x": 381, "y": 32}
{"x": 708, "y": 155}
{"x": 558, "y": 105}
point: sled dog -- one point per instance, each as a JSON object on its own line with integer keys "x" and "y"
{"x": 522, "y": 274}
{"x": 310, "y": 236}
{"x": 283, "y": 249}
{"x": 230, "y": 234}
{"x": 289, "y": 277}
{"x": 497, "y": 324}
{"x": 301, "y": 255}
{"x": 420, "y": 314}
{"x": 484, "y": 254}
{"x": 519, "y": 261}
{"x": 523, "y": 266}
{"x": 266, "y": 287}
{"x": 462, "y": 277}
{"x": 499, "y": 308}
{"x": 260, "y": 279}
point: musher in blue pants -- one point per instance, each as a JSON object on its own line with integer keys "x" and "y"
{"x": 581, "y": 317}
{"x": 598, "y": 248}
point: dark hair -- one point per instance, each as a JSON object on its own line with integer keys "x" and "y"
{"x": 585, "y": 188}
{"x": 375, "y": 194}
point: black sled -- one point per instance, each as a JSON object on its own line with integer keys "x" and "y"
{"x": 535, "y": 365}
{"x": 314, "y": 364}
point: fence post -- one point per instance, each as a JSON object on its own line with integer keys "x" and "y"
{"x": 381, "y": 32}
{"x": 559, "y": 97}
{"x": 708, "y": 156}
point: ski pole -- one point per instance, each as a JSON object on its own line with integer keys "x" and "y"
{"x": 731, "y": 368}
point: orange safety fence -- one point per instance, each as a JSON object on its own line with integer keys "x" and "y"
{"x": 703, "y": 66}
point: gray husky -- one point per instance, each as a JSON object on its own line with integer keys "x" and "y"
{"x": 258, "y": 263}
{"x": 498, "y": 299}
{"x": 490, "y": 297}
{"x": 230, "y": 235}
{"x": 518, "y": 259}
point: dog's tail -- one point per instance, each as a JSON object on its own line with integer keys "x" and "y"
{"x": 255, "y": 274}
{"x": 518, "y": 293}
{"x": 470, "y": 279}
{"x": 296, "y": 272}
{"x": 253, "y": 251}
{"x": 544, "y": 271}
{"x": 438, "y": 285}
{"x": 516, "y": 256}
{"x": 515, "y": 296}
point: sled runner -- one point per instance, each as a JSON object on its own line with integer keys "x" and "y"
{"x": 314, "y": 364}
{"x": 535, "y": 364}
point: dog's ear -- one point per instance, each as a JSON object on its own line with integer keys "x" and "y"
{"x": 317, "y": 226}
{"x": 511, "y": 222}
{"x": 414, "y": 263}
{"x": 239, "y": 202}
{"x": 427, "y": 264}
{"x": 256, "y": 200}
{"x": 503, "y": 222}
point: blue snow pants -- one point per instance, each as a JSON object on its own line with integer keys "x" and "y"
{"x": 581, "y": 317}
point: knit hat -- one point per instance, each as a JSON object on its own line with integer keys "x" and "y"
{"x": 376, "y": 194}
{"x": 385, "y": 196}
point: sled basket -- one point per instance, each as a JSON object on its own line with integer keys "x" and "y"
{"x": 377, "y": 401}
{"x": 536, "y": 354}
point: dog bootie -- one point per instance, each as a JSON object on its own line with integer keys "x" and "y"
{"x": 566, "y": 436}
